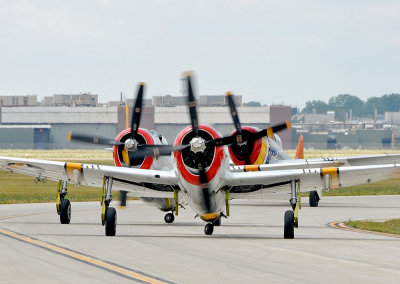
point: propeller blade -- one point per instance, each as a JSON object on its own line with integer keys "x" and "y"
{"x": 192, "y": 104}
{"x": 122, "y": 198}
{"x": 271, "y": 130}
{"x": 156, "y": 150}
{"x": 234, "y": 113}
{"x": 228, "y": 140}
{"x": 203, "y": 180}
{"x": 92, "y": 139}
{"x": 137, "y": 111}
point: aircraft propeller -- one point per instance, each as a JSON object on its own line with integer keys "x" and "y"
{"x": 243, "y": 140}
{"x": 197, "y": 144}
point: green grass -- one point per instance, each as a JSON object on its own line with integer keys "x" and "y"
{"x": 387, "y": 187}
{"x": 15, "y": 188}
{"x": 391, "y": 226}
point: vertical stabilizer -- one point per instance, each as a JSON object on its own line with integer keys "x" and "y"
{"x": 300, "y": 148}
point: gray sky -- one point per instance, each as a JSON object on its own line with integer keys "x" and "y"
{"x": 271, "y": 51}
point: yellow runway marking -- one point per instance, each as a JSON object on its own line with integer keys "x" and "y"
{"x": 122, "y": 271}
{"x": 343, "y": 226}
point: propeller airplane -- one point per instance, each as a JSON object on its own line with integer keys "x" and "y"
{"x": 203, "y": 169}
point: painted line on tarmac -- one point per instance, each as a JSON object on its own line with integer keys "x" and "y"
{"x": 343, "y": 226}
{"x": 14, "y": 216}
{"x": 102, "y": 264}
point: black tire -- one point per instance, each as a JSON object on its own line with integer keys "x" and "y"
{"x": 169, "y": 218}
{"x": 313, "y": 198}
{"x": 209, "y": 229}
{"x": 289, "y": 225}
{"x": 111, "y": 221}
{"x": 65, "y": 211}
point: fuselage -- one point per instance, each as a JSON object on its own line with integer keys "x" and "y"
{"x": 207, "y": 200}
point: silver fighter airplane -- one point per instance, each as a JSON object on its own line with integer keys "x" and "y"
{"x": 203, "y": 169}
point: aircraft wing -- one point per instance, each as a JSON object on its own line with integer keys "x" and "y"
{"x": 349, "y": 160}
{"x": 142, "y": 183}
{"x": 256, "y": 184}
{"x": 325, "y": 162}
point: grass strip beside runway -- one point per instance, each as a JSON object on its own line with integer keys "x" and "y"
{"x": 390, "y": 226}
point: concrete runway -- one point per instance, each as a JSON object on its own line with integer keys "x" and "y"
{"x": 248, "y": 247}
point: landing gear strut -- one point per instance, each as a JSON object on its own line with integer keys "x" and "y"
{"x": 291, "y": 219}
{"x": 108, "y": 214}
{"x": 217, "y": 222}
{"x": 63, "y": 205}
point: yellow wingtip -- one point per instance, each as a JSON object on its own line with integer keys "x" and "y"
{"x": 228, "y": 93}
{"x": 142, "y": 83}
{"x": 288, "y": 124}
{"x": 69, "y": 136}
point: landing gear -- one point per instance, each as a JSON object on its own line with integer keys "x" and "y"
{"x": 314, "y": 198}
{"x": 209, "y": 229}
{"x": 169, "y": 218}
{"x": 65, "y": 211}
{"x": 111, "y": 221}
{"x": 63, "y": 205}
{"x": 291, "y": 219}
{"x": 289, "y": 225}
{"x": 108, "y": 214}
{"x": 217, "y": 222}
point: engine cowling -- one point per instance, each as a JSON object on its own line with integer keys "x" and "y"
{"x": 258, "y": 149}
{"x": 120, "y": 154}
{"x": 186, "y": 159}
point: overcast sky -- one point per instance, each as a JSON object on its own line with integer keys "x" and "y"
{"x": 270, "y": 51}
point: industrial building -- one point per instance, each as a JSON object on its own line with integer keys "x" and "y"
{"x": 57, "y": 121}
{"x": 24, "y": 124}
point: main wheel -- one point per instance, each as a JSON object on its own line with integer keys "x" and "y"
{"x": 209, "y": 229}
{"x": 65, "y": 211}
{"x": 169, "y": 218}
{"x": 313, "y": 198}
{"x": 111, "y": 221}
{"x": 289, "y": 225}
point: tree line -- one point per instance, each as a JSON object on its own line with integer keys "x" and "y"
{"x": 342, "y": 104}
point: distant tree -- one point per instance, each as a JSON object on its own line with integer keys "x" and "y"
{"x": 253, "y": 104}
{"x": 318, "y": 106}
{"x": 342, "y": 104}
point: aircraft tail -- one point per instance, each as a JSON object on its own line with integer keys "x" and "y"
{"x": 300, "y": 148}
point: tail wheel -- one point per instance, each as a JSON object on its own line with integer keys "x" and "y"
{"x": 65, "y": 211}
{"x": 111, "y": 221}
{"x": 209, "y": 229}
{"x": 289, "y": 225}
{"x": 169, "y": 218}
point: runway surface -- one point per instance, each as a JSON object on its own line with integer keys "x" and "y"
{"x": 248, "y": 247}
